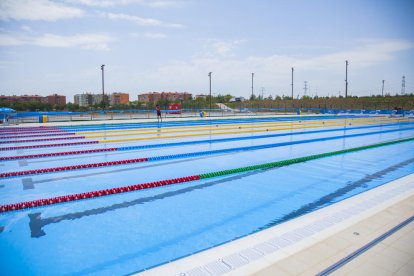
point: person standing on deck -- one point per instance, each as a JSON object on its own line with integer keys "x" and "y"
{"x": 158, "y": 109}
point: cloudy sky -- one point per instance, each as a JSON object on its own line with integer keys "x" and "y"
{"x": 170, "y": 45}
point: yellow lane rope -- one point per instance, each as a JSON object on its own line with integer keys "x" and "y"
{"x": 180, "y": 128}
{"x": 152, "y": 131}
{"x": 239, "y": 131}
{"x": 209, "y": 126}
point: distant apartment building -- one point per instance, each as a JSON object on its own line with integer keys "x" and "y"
{"x": 153, "y": 97}
{"x": 97, "y": 99}
{"x": 119, "y": 98}
{"x": 150, "y": 97}
{"x": 83, "y": 100}
{"x": 56, "y": 99}
{"x": 89, "y": 99}
{"x": 52, "y": 99}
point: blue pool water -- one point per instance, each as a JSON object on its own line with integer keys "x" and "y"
{"x": 131, "y": 232}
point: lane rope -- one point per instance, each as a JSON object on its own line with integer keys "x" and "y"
{"x": 163, "y": 145}
{"x": 187, "y": 155}
{"x": 130, "y": 188}
{"x": 38, "y": 135}
{"x": 50, "y": 145}
{"x": 41, "y": 140}
{"x": 161, "y": 137}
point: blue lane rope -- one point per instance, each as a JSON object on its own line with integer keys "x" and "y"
{"x": 220, "y": 140}
{"x": 229, "y": 150}
{"x": 202, "y": 122}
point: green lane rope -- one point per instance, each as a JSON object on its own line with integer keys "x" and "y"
{"x": 299, "y": 159}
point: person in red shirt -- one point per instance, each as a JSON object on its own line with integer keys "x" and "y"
{"x": 158, "y": 109}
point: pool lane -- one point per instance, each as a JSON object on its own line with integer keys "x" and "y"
{"x": 51, "y": 184}
{"x": 187, "y": 217}
{"x": 156, "y": 143}
{"x": 188, "y": 131}
{"x": 206, "y": 146}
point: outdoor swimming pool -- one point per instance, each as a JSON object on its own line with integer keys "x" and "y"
{"x": 130, "y": 231}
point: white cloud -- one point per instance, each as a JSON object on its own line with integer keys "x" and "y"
{"x": 138, "y": 20}
{"x": 26, "y": 28}
{"x": 232, "y": 74}
{"x": 369, "y": 53}
{"x": 111, "y": 3}
{"x": 84, "y": 41}
{"x": 149, "y": 35}
{"x": 221, "y": 48}
{"x": 9, "y": 40}
{"x": 36, "y": 10}
{"x": 162, "y": 4}
{"x": 94, "y": 3}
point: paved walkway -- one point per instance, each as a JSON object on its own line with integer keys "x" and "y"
{"x": 392, "y": 256}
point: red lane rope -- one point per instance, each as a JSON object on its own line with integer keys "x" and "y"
{"x": 55, "y": 154}
{"x": 37, "y": 135}
{"x": 41, "y": 140}
{"x": 30, "y": 131}
{"x": 100, "y": 193}
{"x": 49, "y": 145}
{"x": 16, "y": 129}
{"x": 74, "y": 167}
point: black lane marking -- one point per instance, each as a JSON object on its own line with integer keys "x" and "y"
{"x": 138, "y": 167}
{"x": 339, "y": 192}
{"x": 37, "y": 223}
{"x": 27, "y": 183}
{"x": 23, "y": 163}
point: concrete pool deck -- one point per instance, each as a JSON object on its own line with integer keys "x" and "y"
{"x": 312, "y": 243}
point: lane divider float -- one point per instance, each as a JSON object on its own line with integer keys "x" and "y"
{"x": 185, "y": 155}
{"x": 37, "y": 135}
{"x": 220, "y": 140}
{"x": 23, "y": 130}
{"x": 49, "y": 145}
{"x": 149, "y": 138}
{"x": 136, "y": 187}
{"x": 41, "y": 140}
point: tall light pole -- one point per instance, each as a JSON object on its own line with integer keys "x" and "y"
{"x": 382, "y": 91}
{"x": 103, "y": 87}
{"x": 209, "y": 74}
{"x": 346, "y": 78}
{"x": 252, "y": 85}
{"x": 292, "y": 82}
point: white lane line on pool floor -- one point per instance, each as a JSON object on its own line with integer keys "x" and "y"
{"x": 260, "y": 250}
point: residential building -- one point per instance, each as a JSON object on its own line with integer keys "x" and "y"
{"x": 119, "y": 98}
{"x": 150, "y": 97}
{"x": 24, "y": 98}
{"x": 84, "y": 100}
{"x": 97, "y": 99}
{"x": 56, "y": 99}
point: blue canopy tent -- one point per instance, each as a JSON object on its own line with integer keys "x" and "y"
{"x": 5, "y": 111}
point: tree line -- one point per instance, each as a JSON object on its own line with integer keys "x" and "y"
{"x": 352, "y": 102}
